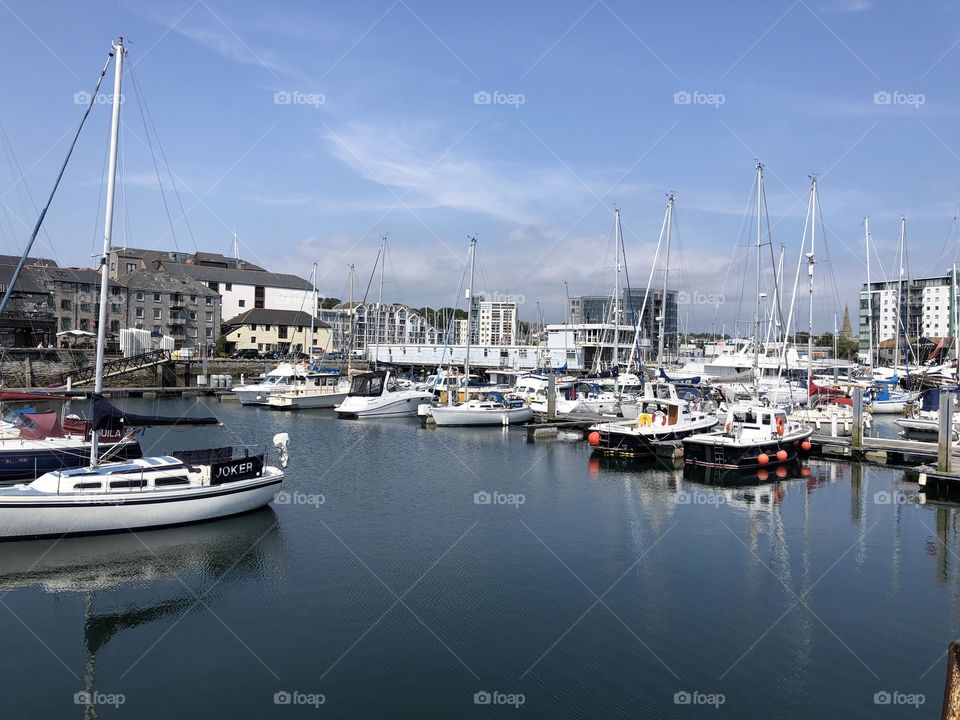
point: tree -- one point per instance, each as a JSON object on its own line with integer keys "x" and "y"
{"x": 221, "y": 345}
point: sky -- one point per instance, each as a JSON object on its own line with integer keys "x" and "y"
{"x": 313, "y": 129}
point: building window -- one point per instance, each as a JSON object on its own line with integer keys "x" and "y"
{"x": 157, "y": 314}
{"x": 253, "y": 339}
{"x": 193, "y": 315}
{"x": 208, "y": 316}
{"x": 85, "y": 307}
{"x": 215, "y": 286}
{"x": 131, "y": 267}
{"x": 114, "y": 326}
{"x": 209, "y": 332}
{"x": 243, "y": 303}
{"x": 64, "y": 323}
{"x": 139, "y": 313}
{"x": 227, "y": 287}
{"x": 282, "y": 332}
{"x": 139, "y": 294}
{"x": 208, "y": 301}
{"x": 115, "y": 307}
{"x": 193, "y": 299}
{"x": 65, "y": 304}
{"x": 156, "y": 297}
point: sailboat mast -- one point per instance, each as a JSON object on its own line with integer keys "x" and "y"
{"x": 377, "y": 324}
{"x": 350, "y": 322}
{"x": 756, "y": 311}
{"x": 313, "y": 310}
{"x": 810, "y": 263}
{"x": 896, "y": 344}
{"x": 466, "y": 361}
{"x": 118, "y": 52}
{"x": 615, "y": 362}
{"x": 866, "y": 239}
{"x": 666, "y": 272}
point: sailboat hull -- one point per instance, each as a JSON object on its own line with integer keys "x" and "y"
{"x": 33, "y": 515}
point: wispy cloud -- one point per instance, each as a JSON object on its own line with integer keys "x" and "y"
{"x": 848, "y": 6}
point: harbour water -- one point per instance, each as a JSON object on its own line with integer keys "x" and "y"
{"x": 412, "y": 572}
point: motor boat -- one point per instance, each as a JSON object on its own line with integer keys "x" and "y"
{"x": 374, "y": 394}
{"x": 658, "y": 420}
{"x": 837, "y": 420}
{"x": 491, "y": 408}
{"x": 286, "y": 377}
{"x": 923, "y": 422}
{"x": 322, "y": 391}
{"x": 883, "y": 400}
{"x": 753, "y": 436}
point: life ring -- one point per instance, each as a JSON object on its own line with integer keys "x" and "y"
{"x": 644, "y": 420}
{"x": 663, "y": 419}
{"x": 727, "y": 427}
{"x": 780, "y": 427}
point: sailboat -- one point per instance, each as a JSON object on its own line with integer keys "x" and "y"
{"x": 489, "y": 408}
{"x": 753, "y": 435}
{"x": 148, "y": 492}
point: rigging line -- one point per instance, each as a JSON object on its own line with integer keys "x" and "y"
{"x": 778, "y": 308}
{"x": 829, "y": 259}
{"x": 56, "y": 184}
{"x": 156, "y": 168}
{"x": 946, "y": 248}
{"x": 163, "y": 155}
{"x": 100, "y": 195}
{"x": 12, "y": 155}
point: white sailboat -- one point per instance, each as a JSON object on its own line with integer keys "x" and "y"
{"x": 143, "y": 493}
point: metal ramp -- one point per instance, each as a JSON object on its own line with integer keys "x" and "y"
{"x": 113, "y": 368}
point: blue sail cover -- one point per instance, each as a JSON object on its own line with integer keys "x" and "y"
{"x": 106, "y": 416}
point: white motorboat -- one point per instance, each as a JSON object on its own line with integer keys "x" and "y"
{"x": 658, "y": 420}
{"x": 146, "y": 492}
{"x": 492, "y": 409}
{"x": 373, "y": 394}
{"x": 831, "y": 418}
{"x": 286, "y": 377}
{"x": 324, "y": 391}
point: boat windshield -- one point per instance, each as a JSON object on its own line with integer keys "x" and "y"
{"x": 745, "y": 417}
{"x": 370, "y": 385}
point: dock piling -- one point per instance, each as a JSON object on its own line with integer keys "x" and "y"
{"x": 945, "y": 433}
{"x": 856, "y": 440}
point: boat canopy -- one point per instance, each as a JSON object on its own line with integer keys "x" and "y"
{"x": 108, "y": 417}
{"x": 369, "y": 384}
{"x": 39, "y": 426}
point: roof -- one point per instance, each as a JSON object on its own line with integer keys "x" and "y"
{"x": 31, "y": 279}
{"x": 14, "y": 259}
{"x": 183, "y": 258}
{"x": 173, "y": 281}
{"x": 266, "y": 316}
{"x": 240, "y": 277}
{"x": 87, "y": 276}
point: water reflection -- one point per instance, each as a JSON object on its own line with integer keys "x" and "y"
{"x": 146, "y": 577}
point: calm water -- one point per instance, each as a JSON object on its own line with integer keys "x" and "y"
{"x": 591, "y": 591}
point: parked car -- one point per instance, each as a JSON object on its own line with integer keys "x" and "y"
{"x": 245, "y": 354}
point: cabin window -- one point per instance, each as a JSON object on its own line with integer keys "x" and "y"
{"x": 169, "y": 481}
{"x": 88, "y": 486}
{"x": 765, "y": 419}
{"x": 125, "y": 484}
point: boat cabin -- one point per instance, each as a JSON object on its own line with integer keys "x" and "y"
{"x": 756, "y": 419}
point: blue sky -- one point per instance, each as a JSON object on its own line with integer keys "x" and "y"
{"x": 382, "y": 134}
